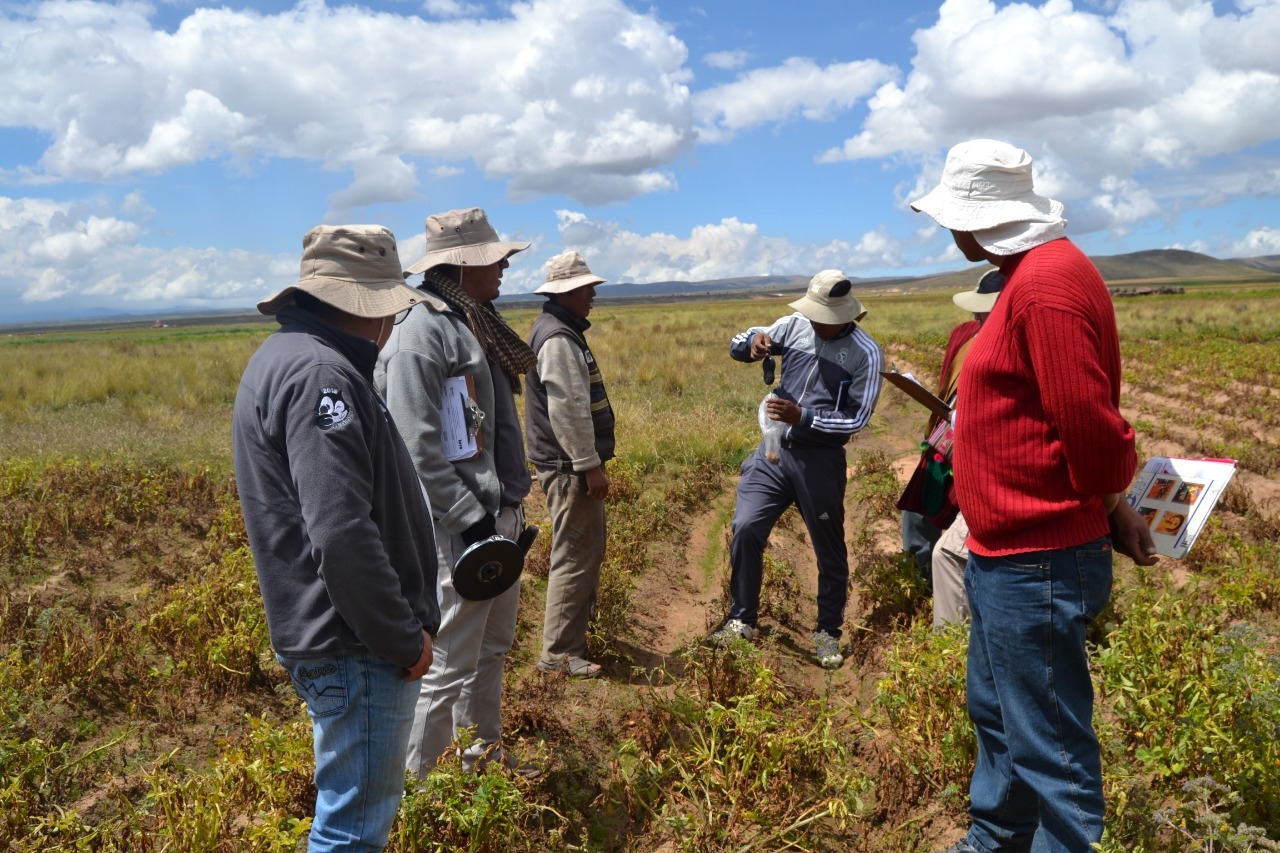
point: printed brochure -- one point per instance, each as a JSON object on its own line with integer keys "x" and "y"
{"x": 1175, "y": 497}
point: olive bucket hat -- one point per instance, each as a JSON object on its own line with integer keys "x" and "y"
{"x": 354, "y": 268}
{"x": 830, "y": 300}
{"x": 567, "y": 271}
{"x": 982, "y": 298}
{"x": 463, "y": 238}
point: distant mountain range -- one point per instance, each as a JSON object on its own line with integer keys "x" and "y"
{"x": 1157, "y": 266}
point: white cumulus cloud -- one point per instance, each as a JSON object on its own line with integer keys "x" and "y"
{"x": 797, "y": 88}
{"x": 1118, "y": 106}
{"x": 1262, "y": 241}
{"x": 729, "y": 248}
{"x": 727, "y": 60}
{"x": 52, "y": 249}
{"x": 590, "y": 100}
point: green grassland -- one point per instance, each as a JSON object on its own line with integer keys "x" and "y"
{"x": 140, "y": 708}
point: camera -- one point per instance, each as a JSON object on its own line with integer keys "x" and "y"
{"x": 769, "y": 366}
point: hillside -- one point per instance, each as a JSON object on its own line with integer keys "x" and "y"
{"x": 1157, "y": 265}
{"x": 1151, "y": 265}
{"x": 1266, "y": 263}
{"x": 1169, "y": 263}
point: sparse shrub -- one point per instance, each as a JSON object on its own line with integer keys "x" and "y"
{"x": 779, "y": 592}
{"x": 215, "y": 629}
{"x": 251, "y": 798}
{"x": 891, "y": 586}
{"x": 920, "y": 711}
{"x": 715, "y": 673}
{"x": 755, "y": 772}
{"x": 452, "y": 810}
{"x": 1190, "y": 694}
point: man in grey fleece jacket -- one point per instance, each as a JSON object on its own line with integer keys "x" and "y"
{"x": 339, "y": 527}
{"x": 459, "y": 334}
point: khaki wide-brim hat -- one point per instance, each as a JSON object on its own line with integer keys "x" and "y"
{"x": 830, "y": 300}
{"x": 567, "y": 271}
{"x": 463, "y": 238}
{"x": 354, "y": 268}
{"x": 982, "y": 298}
{"x": 985, "y": 184}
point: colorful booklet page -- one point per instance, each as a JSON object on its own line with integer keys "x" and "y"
{"x": 1175, "y": 497}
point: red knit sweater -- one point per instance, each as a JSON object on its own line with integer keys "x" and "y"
{"x": 1039, "y": 435}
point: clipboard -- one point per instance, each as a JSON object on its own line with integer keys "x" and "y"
{"x": 911, "y": 386}
{"x": 460, "y": 419}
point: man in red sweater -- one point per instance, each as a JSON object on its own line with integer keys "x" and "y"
{"x": 1042, "y": 458}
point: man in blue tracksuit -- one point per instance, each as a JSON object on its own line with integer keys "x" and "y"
{"x": 828, "y": 390}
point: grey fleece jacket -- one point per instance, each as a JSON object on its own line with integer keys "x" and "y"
{"x": 340, "y": 531}
{"x": 431, "y": 345}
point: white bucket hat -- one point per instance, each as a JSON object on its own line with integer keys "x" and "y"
{"x": 830, "y": 300}
{"x": 354, "y": 268}
{"x": 463, "y": 238}
{"x": 982, "y": 298}
{"x": 986, "y": 184}
{"x": 567, "y": 271}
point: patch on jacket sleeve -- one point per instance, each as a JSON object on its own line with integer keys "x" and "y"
{"x": 332, "y": 410}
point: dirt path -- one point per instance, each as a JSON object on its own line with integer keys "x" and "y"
{"x": 682, "y": 596}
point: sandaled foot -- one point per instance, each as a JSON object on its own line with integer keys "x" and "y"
{"x": 571, "y": 666}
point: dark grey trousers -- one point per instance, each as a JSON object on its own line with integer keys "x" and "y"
{"x": 812, "y": 478}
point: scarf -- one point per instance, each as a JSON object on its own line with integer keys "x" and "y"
{"x": 498, "y": 340}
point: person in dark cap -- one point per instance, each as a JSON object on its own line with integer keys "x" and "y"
{"x": 339, "y": 528}
{"x": 1042, "y": 458}
{"x": 928, "y": 502}
{"x": 828, "y": 389}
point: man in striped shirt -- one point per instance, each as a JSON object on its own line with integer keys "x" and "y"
{"x": 828, "y": 389}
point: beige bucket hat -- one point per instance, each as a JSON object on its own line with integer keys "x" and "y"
{"x": 464, "y": 238}
{"x": 830, "y": 300}
{"x": 985, "y": 184}
{"x": 354, "y": 268}
{"x": 568, "y": 271}
{"x": 982, "y": 298}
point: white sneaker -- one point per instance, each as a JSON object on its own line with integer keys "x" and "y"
{"x": 827, "y": 650}
{"x": 734, "y": 629}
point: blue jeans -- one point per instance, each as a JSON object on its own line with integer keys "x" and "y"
{"x": 360, "y": 713}
{"x": 918, "y": 538}
{"x": 1037, "y": 782}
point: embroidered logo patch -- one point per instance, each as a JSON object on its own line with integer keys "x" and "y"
{"x": 318, "y": 672}
{"x": 843, "y": 356}
{"x": 332, "y": 410}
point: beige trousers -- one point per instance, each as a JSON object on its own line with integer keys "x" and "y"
{"x": 463, "y": 687}
{"x": 950, "y": 602}
{"x": 577, "y": 551}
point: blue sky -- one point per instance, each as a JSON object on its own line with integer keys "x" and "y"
{"x": 171, "y": 155}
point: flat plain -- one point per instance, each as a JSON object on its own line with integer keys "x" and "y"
{"x": 140, "y": 708}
